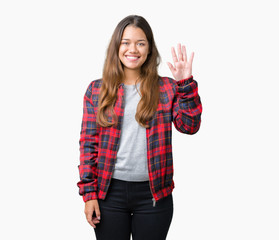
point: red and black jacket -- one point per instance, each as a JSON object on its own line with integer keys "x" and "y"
{"x": 179, "y": 103}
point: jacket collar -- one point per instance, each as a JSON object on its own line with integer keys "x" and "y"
{"x": 121, "y": 84}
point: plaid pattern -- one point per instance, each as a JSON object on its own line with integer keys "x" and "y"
{"x": 179, "y": 103}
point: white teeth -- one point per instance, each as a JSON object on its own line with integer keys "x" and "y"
{"x": 129, "y": 57}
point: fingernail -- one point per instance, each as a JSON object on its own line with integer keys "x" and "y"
{"x": 99, "y": 218}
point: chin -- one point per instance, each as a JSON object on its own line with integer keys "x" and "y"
{"x": 132, "y": 66}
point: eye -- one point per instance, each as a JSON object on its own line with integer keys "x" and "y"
{"x": 125, "y": 43}
{"x": 141, "y": 44}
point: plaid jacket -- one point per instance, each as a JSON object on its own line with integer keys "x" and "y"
{"x": 179, "y": 103}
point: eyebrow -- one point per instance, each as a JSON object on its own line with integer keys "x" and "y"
{"x": 129, "y": 39}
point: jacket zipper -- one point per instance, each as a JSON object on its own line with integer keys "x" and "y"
{"x": 153, "y": 199}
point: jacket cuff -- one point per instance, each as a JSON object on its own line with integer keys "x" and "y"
{"x": 89, "y": 196}
{"x": 184, "y": 81}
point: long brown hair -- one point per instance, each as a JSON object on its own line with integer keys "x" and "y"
{"x": 113, "y": 74}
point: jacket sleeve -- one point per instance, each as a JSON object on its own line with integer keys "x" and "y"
{"x": 88, "y": 143}
{"x": 187, "y": 106}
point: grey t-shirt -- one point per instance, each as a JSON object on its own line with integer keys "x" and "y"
{"x": 131, "y": 162}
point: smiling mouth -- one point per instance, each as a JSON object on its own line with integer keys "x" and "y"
{"x": 132, "y": 58}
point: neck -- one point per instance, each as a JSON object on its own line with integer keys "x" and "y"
{"x": 130, "y": 76}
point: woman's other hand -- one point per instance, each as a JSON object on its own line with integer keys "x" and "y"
{"x": 182, "y": 68}
{"x": 90, "y": 207}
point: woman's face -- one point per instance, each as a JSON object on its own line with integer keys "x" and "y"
{"x": 133, "y": 50}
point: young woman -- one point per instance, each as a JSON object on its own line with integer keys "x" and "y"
{"x": 126, "y": 164}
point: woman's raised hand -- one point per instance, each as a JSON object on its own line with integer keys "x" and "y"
{"x": 182, "y": 68}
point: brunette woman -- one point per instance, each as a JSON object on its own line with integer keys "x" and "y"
{"x": 126, "y": 163}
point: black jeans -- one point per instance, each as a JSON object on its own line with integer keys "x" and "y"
{"x": 128, "y": 209}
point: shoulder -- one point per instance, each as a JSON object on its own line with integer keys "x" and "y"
{"x": 93, "y": 89}
{"x": 94, "y": 86}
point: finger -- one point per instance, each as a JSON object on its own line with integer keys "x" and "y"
{"x": 174, "y": 57}
{"x": 95, "y": 221}
{"x": 184, "y": 53}
{"x": 89, "y": 220}
{"x": 97, "y": 211}
{"x": 191, "y": 58}
{"x": 180, "y": 56}
{"x": 171, "y": 67}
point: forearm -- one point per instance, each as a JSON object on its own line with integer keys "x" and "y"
{"x": 187, "y": 106}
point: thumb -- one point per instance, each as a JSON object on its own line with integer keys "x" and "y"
{"x": 171, "y": 67}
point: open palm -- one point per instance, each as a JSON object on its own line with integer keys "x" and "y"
{"x": 182, "y": 68}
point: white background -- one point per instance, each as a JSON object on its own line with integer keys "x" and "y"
{"x": 226, "y": 176}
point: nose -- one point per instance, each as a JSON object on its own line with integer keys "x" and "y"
{"x": 133, "y": 48}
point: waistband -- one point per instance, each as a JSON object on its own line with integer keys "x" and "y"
{"x": 120, "y": 181}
